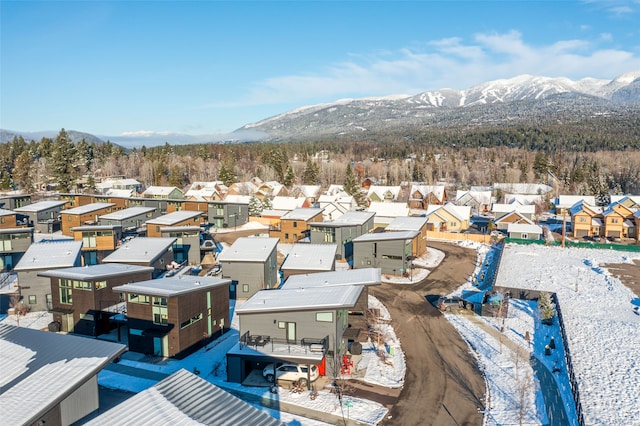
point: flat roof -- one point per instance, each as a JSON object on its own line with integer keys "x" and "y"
{"x": 407, "y": 223}
{"x": 140, "y": 250}
{"x": 312, "y": 298}
{"x": 249, "y": 249}
{"x": 40, "y": 206}
{"x": 50, "y": 254}
{"x": 364, "y": 276}
{"x": 319, "y": 257}
{"x": 173, "y": 286}
{"x": 387, "y": 236}
{"x": 349, "y": 218}
{"x": 16, "y": 230}
{"x": 302, "y": 214}
{"x": 40, "y": 369}
{"x": 94, "y": 227}
{"x": 88, "y": 208}
{"x": 5, "y": 212}
{"x": 127, "y": 213}
{"x": 174, "y": 217}
{"x": 93, "y": 272}
{"x": 180, "y": 228}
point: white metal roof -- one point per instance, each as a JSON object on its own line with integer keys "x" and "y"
{"x": 159, "y": 190}
{"x": 382, "y": 209}
{"x": 235, "y": 199}
{"x": 249, "y": 249}
{"x": 524, "y": 228}
{"x": 50, "y": 254}
{"x": 409, "y": 223}
{"x": 174, "y": 217}
{"x": 173, "y": 286}
{"x": 140, "y": 250}
{"x": 387, "y": 236}
{"x": 40, "y": 206}
{"x": 88, "y": 208}
{"x": 319, "y": 257}
{"x": 40, "y": 369}
{"x": 364, "y": 276}
{"x": 302, "y": 214}
{"x": 5, "y": 212}
{"x": 312, "y": 298}
{"x": 93, "y": 272}
{"x": 127, "y": 213}
{"x": 287, "y": 203}
{"x": 184, "y": 399}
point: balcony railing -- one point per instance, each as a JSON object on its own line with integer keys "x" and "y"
{"x": 306, "y": 345}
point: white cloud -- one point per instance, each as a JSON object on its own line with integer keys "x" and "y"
{"x": 448, "y": 62}
{"x": 606, "y": 36}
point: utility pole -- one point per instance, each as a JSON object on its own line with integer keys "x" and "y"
{"x": 564, "y": 225}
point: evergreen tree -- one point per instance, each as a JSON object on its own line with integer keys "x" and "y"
{"x": 63, "y": 162}
{"x": 289, "y": 177}
{"x": 225, "y": 174}
{"x": 311, "y": 173}
{"x": 416, "y": 174}
{"x": 267, "y": 204}
{"x": 546, "y": 307}
{"x": 351, "y": 186}
{"x": 23, "y": 171}
{"x": 255, "y": 206}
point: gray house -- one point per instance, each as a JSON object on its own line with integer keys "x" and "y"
{"x": 304, "y": 326}
{"x": 131, "y": 218}
{"x": 252, "y": 264}
{"x": 309, "y": 258}
{"x": 187, "y": 246}
{"x": 143, "y": 251}
{"x": 389, "y": 251}
{"x": 524, "y": 231}
{"x": 43, "y": 216}
{"x": 14, "y": 242}
{"x": 228, "y": 214}
{"x": 43, "y": 256}
{"x": 342, "y": 231}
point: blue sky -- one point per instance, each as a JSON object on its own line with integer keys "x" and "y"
{"x": 207, "y": 67}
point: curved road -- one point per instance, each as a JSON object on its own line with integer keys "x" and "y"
{"x": 443, "y": 385}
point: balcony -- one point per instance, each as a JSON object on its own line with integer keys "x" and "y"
{"x": 308, "y": 346}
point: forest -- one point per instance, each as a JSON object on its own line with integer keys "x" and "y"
{"x": 460, "y": 159}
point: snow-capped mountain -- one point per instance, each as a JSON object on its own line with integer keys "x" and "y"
{"x": 507, "y": 100}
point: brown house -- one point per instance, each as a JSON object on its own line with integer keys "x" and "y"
{"x": 143, "y": 251}
{"x": 8, "y": 219}
{"x": 177, "y": 218}
{"x": 294, "y": 226}
{"x": 98, "y": 241}
{"x": 174, "y": 316}
{"x": 422, "y": 196}
{"x": 87, "y": 214}
{"x": 82, "y": 297}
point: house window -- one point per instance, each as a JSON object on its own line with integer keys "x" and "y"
{"x": 159, "y": 301}
{"x": 160, "y": 315}
{"x": 245, "y": 288}
{"x": 583, "y": 219}
{"x": 100, "y": 284}
{"x": 49, "y": 299}
{"x": 295, "y": 224}
{"x": 32, "y": 299}
{"x": 82, "y": 285}
{"x": 453, "y": 224}
{"x": 138, "y": 298}
{"x": 191, "y": 320}
{"x": 5, "y": 245}
{"x": 282, "y": 324}
{"x": 66, "y": 295}
{"x": 286, "y": 236}
{"x": 324, "y": 316}
{"x": 524, "y": 236}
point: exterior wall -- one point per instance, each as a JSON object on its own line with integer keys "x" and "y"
{"x": 80, "y": 403}
{"x": 132, "y": 222}
{"x": 15, "y": 201}
{"x": 613, "y": 225}
{"x": 69, "y": 221}
{"x": 291, "y": 231}
{"x": 159, "y": 205}
{"x": 268, "y": 324}
{"x": 524, "y": 235}
{"x": 90, "y": 302}
{"x": 288, "y": 272}
{"x": 341, "y": 235}
{"x": 120, "y": 203}
{"x": 187, "y": 242}
{"x": 390, "y": 255}
{"x": 196, "y": 206}
{"x": 251, "y": 276}
{"x": 153, "y": 229}
{"x": 9, "y": 221}
{"x": 227, "y": 215}
{"x": 33, "y": 285}
{"x": 12, "y": 247}
{"x": 581, "y": 225}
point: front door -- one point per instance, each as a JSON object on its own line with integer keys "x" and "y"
{"x": 291, "y": 331}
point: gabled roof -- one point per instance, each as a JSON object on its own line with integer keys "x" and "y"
{"x": 380, "y": 191}
{"x": 50, "y": 254}
{"x": 424, "y": 190}
{"x": 364, "y": 276}
{"x": 587, "y": 208}
{"x": 318, "y": 257}
{"x": 287, "y": 203}
{"x": 159, "y": 190}
{"x": 334, "y": 189}
{"x": 524, "y": 228}
{"x": 173, "y": 286}
{"x": 302, "y": 214}
{"x": 184, "y": 399}
{"x": 310, "y": 191}
{"x": 140, "y": 250}
{"x": 40, "y": 206}
{"x": 40, "y": 369}
{"x": 307, "y": 299}
{"x": 95, "y": 272}
{"x": 519, "y": 217}
{"x": 408, "y": 223}
{"x": 249, "y": 249}
{"x": 567, "y": 201}
{"x": 481, "y": 197}
{"x": 236, "y": 199}
{"x": 87, "y": 208}
{"x": 387, "y": 236}
{"x": 523, "y": 188}
{"x": 127, "y": 213}
{"x": 382, "y": 209}
{"x": 174, "y": 217}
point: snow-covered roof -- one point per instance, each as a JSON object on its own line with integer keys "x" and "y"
{"x": 273, "y": 213}
{"x": 424, "y": 190}
{"x": 159, "y": 190}
{"x": 334, "y": 189}
{"x": 482, "y": 197}
{"x": 380, "y": 191}
{"x": 349, "y": 218}
{"x": 95, "y": 271}
{"x": 50, "y": 254}
{"x": 524, "y": 228}
{"x": 523, "y": 188}
{"x": 40, "y": 206}
{"x": 174, "y": 217}
{"x": 122, "y": 193}
{"x": 523, "y": 198}
{"x": 236, "y": 199}
{"x": 249, "y": 249}
{"x": 408, "y": 223}
{"x": 567, "y": 201}
{"x": 382, "y": 209}
{"x": 40, "y": 369}
{"x": 319, "y": 257}
{"x": 364, "y": 276}
{"x": 287, "y": 203}
{"x": 5, "y": 212}
{"x": 172, "y": 286}
{"x": 127, "y": 213}
{"x": 140, "y": 250}
{"x": 387, "y": 236}
{"x": 507, "y": 208}
{"x": 88, "y": 208}
{"x": 310, "y": 191}
{"x": 184, "y": 399}
{"x": 302, "y": 214}
{"x": 296, "y": 299}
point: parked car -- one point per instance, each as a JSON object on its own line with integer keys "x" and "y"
{"x": 291, "y": 372}
{"x": 447, "y": 303}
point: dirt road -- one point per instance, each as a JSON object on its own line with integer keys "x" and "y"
{"x": 443, "y": 385}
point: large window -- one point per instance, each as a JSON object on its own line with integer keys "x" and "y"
{"x": 159, "y": 301}
{"x": 191, "y": 320}
{"x": 32, "y": 299}
{"x": 138, "y": 298}
{"x": 100, "y": 284}
{"x": 66, "y": 293}
{"x": 324, "y": 316}
{"x": 82, "y": 285}
{"x": 160, "y": 315}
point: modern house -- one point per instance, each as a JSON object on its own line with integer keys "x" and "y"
{"x": 251, "y": 264}
{"x": 82, "y": 297}
{"x": 178, "y": 218}
{"x": 14, "y": 242}
{"x": 303, "y": 326}
{"x": 342, "y": 231}
{"x": 586, "y": 220}
{"x": 143, "y": 251}
{"x": 389, "y": 251}
{"x": 86, "y": 214}
{"x": 50, "y": 378}
{"x": 412, "y": 223}
{"x": 334, "y": 206}
{"x": 309, "y": 258}
{"x": 230, "y": 212}
{"x": 564, "y": 203}
{"x": 9, "y": 219}
{"x": 43, "y": 216}
{"x": 526, "y": 210}
{"x": 98, "y": 241}
{"x": 44, "y": 256}
{"x": 150, "y": 407}
{"x": 163, "y": 193}
{"x": 131, "y": 218}
{"x": 173, "y": 316}
{"x": 187, "y": 245}
{"x": 296, "y": 225}
{"x": 14, "y": 201}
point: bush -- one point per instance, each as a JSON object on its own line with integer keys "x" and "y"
{"x": 546, "y": 308}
